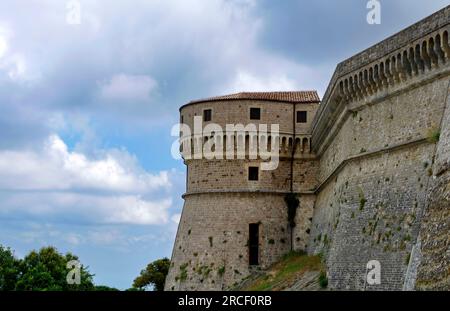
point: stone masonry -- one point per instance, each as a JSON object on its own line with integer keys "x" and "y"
{"x": 371, "y": 168}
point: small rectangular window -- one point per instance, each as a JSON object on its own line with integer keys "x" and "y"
{"x": 302, "y": 117}
{"x": 182, "y": 120}
{"x": 255, "y": 114}
{"x": 207, "y": 114}
{"x": 253, "y": 173}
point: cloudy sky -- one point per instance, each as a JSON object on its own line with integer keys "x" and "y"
{"x": 86, "y": 109}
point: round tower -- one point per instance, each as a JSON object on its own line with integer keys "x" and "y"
{"x": 235, "y": 217}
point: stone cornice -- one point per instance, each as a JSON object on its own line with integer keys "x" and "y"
{"x": 241, "y": 191}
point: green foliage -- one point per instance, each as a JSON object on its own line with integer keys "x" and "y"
{"x": 221, "y": 271}
{"x": 323, "y": 280}
{"x": 433, "y": 135}
{"x": 43, "y": 270}
{"x": 154, "y": 275}
{"x": 47, "y": 270}
{"x": 183, "y": 272}
{"x": 407, "y": 238}
{"x": 292, "y": 203}
{"x": 9, "y": 269}
{"x": 285, "y": 272}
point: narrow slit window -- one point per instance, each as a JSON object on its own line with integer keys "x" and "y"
{"x": 253, "y": 244}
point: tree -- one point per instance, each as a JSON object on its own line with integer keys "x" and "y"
{"x": 9, "y": 269}
{"x": 154, "y": 275}
{"x": 47, "y": 270}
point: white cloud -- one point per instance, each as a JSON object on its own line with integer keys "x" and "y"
{"x": 89, "y": 208}
{"x": 12, "y": 62}
{"x": 3, "y": 46}
{"x": 54, "y": 181}
{"x": 122, "y": 87}
{"x": 54, "y": 167}
{"x": 246, "y": 81}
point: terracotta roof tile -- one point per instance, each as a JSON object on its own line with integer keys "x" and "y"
{"x": 291, "y": 97}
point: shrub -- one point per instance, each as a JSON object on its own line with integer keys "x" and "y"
{"x": 433, "y": 135}
{"x": 323, "y": 280}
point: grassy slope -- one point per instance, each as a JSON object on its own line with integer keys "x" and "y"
{"x": 286, "y": 272}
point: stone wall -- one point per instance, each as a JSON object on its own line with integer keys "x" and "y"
{"x": 212, "y": 239}
{"x": 232, "y": 175}
{"x": 371, "y": 210}
{"x": 383, "y": 189}
{"x": 434, "y": 249}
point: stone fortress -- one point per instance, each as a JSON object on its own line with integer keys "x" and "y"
{"x": 370, "y": 165}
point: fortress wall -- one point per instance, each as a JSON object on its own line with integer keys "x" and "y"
{"x": 305, "y": 175}
{"x": 433, "y": 248}
{"x": 379, "y": 168}
{"x": 303, "y": 221}
{"x": 305, "y": 128}
{"x": 383, "y": 190}
{"x": 231, "y": 175}
{"x": 238, "y": 111}
{"x": 225, "y": 218}
{"x": 385, "y": 123}
{"x": 371, "y": 211}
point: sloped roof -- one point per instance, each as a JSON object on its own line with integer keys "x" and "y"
{"x": 290, "y": 97}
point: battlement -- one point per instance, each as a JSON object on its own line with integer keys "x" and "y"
{"x": 418, "y": 52}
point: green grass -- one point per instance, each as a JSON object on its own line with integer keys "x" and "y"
{"x": 287, "y": 270}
